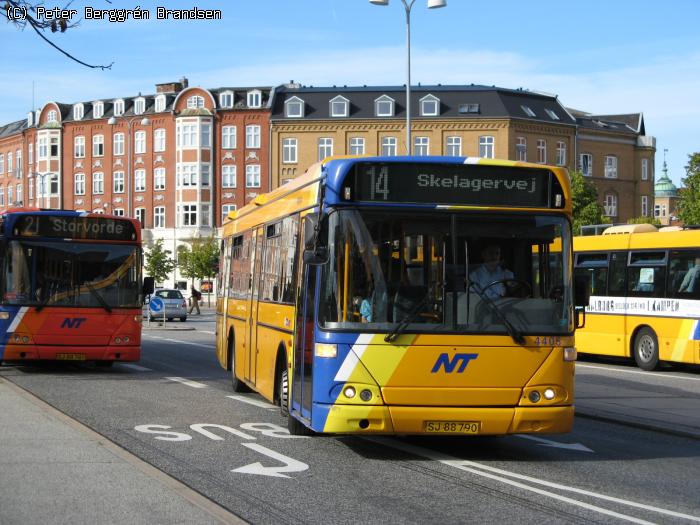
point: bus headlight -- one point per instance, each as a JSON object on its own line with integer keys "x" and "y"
{"x": 570, "y": 353}
{"x": 549, "y": 394}
{"x": 325, "y": 350}
{"x": 349, "y": 392}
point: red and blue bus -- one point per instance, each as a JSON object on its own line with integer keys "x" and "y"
{"x": 70, "y": 287}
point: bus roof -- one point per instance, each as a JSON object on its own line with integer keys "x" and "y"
{"x": 638, "y": 241}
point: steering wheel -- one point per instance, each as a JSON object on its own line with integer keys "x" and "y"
{"x": 514, "y": 287}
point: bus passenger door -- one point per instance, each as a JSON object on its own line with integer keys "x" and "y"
{"x": 251, "y": 351}
{"x": 301, "y": 394}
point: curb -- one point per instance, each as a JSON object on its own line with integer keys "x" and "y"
{"x": 618, "y": 419}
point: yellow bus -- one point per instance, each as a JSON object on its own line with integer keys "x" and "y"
{"x": 352, "y": 297}
{"x": 644, "y": 290}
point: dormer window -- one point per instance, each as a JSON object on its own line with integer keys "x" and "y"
{"x": 52, "y": 116}
{"x": 160, "y": 104}
{"x": 528, "y": 111}
{"x": 384, "y": 106}
{"x": 226, "y": 99}
{"x": 340, "y": 107}
{"x": 118, "y": 107}
{"x": 139, "y": 106}
{"x": 98, "y": 109}
{"x": 551, "y": 114}
{"x": 294, "y": 108}
{"x": 429, "y": 106}
{"x": 195, "y": 102}
{"x": 30, "y": 119}
{"x": 254, "y": 98}
{"x": 78, "y": 112}
{"x": 469, "y": 108}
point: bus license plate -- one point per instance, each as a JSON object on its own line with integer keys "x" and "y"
{"x": 70, "y": 357}
{"x": 452, "y": 427}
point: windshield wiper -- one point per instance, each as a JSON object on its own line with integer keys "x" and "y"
{"x": 513, "y": 332}
{"x": 100, "y": 299}
{"x": 407, "y": 319}
{"x": 39, "y": 307}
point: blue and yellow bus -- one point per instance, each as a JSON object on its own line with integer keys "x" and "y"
{"x": 70, "y": 287}
{"x": 349, "y": 297}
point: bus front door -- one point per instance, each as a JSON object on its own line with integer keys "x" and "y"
{"x": 251, "y": 350}
{"x": 301, "y": 394}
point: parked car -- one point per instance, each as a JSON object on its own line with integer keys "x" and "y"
{"x": 174, "y": 302}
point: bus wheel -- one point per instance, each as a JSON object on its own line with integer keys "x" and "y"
{"x": 646, "y": 349}
{"x": 237, "y": 384}
{"x": 295, "y": 427}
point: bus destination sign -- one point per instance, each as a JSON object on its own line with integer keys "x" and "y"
{"x": 74, "y": 227}
{"x": 451, "y": 184}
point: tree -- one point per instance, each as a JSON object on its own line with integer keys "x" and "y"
{"x": 585, "y": 202}
{"x": 689, "y": 202}
{"x": 22, "y": 13}
{"x": 644, "y": 220}
{"x": 159, "y": 263}
{"x": 201, "y": 261}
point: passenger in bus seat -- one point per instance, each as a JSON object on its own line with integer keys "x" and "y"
{"x": 691, "y": 278}
{"x": 491, "y": 271}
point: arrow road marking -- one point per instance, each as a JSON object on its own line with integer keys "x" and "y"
{"x": 136, "y": 367}
{"x": 549, "y": 443}
{"x": 290, "y": 465}
{"x": 187, "y": 382}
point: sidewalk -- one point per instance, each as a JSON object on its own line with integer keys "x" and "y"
{"x": 54, "y": 470}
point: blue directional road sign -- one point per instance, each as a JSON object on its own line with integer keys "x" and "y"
{"x": 156, "y": 305}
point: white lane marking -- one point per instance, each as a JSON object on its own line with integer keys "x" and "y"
{"x": 484, "y": 470}
{"x": 188, "y": 343}
{"x": 580, "y": 447}
{"x": 136, "y": 367}
{"x": 18, "y": 318}
{"x": 254, "y": 402}
{"x": 187, "y": 382}
{"x": 206, "y": 332}
{"x": 290, "y": 464}
{"x": 656, "y": 375}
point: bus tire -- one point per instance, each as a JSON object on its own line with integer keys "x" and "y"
{"x": 295, "y": 427}
{"x": 646, "y": 349}
{"x": 236, "y": 384}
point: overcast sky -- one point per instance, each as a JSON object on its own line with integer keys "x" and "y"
{"x": 599, "y": 56}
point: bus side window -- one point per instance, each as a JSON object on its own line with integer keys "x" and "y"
{"x": 617, "y": 283}
{"x": 682, "y": 282}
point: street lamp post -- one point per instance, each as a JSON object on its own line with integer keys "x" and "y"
{"x": 408, "y": 4}
{"x": 130, "y": 168}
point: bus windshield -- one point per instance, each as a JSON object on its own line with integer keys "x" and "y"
{"x": 447, "y": 273}
{"x": 45, "y": 274}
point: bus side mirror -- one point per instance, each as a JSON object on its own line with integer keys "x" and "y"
{"x": 311, "y": 231}
{"x": 582, "y": 290}
{"x": 316, "y": 257}
{"x": 148, "y": 285}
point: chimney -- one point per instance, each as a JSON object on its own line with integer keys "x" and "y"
{"x": 172, "y": 87}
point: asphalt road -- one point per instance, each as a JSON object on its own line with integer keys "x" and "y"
{"x": 175, "y": 410}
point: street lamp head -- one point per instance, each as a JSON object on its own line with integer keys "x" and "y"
{"x": 379, "y": 2}
{"x": 434, "y": 4}
{"x": 112, "y": 121}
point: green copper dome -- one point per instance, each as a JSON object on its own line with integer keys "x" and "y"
{"x": 664, "y": 187}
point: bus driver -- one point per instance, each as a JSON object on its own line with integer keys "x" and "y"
{"x": 490, "y": 271}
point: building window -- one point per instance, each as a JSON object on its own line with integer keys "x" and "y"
{"x": 52, "y": 116}
{"x": 610, "y": 167}
{"x": 252, "y": 136}
{"x": 226, "y": 99}
{"x": 118, "y": 182}
{"x": 140, "y": 215}
{"x": 159, "y": 140}
{"x": 79, "y": 147}
{"x": 53, "y": 184}
{"x": 140, "y": 180}
{"x": 421, "y": 146}
{"x": 140, "y": 142}
{"x": 30, "y": 188}
{"x": 186, "y": 135}
{"x": 10, "y": 198}
{"x": 551, "y": 114}
{"x": 139, "y": 106}
{"x": 159, "y": 179}
{"x": 389, "y": 146}
{"x": 186, "y": 175}
{"x": 289, "y": 151}
{"x": 384, "y": 106}
{"x": 2, "y": 196}
{"x": 340, "y": 107}
{"x": 204, "y": 216}
{"x": 487, "y": 147}
{"x": 42, "y": 148}
{"x": 659, "y": 210}
{"x": 541, "y": 151}
{"x": 98, "y": 183}
{"x": 30, "y": 119}
{"x": 9, "y": 163}
{"x": 187, "y": 214}
{"x": 228, "y": 137}
{"x": 453, "y": 147}
{"x": 429, "y": 106}
{"x": 78, "y": 112}
{"x": 561, "y": 153}
{"x": 98, "y": 109}
{"x": 294, "y": 108}
{"x": 30, "y": 153}
{"x": 20, "y": 196}
{"x": 528, "y": 111}
{"x": 469, "y": 108}
{"x": 98, "y": 146}
{"x": 610, "y": 205}
{"x": 645, "y": 169}
{"x": 159, "y": 217}
{"x": 585, "y": 164}
{"x": 79, "y": 183}
{"x": 521, "y": 149}
{"x": 2, "y": 163}
{"x": 252, "y": 176}
{"x": 118, "y": 108}
{"x": 119, "y": 212}
{"x": 645, "y": 206}
{"x": 118, "y": 144}
{"x": 325, "y": 147}
{"x": 225, "y": 209}
{"x": 228, "y": 176}
{"x": 18, "y": 161}
{"x": 53, "y": 147}
{"x": 204, "y": 172}
{"x": 357, "y": 146}
{"x": 195, "y": 102}
{"x": 254, "y": 98}
{"x": 160, "y": 104}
